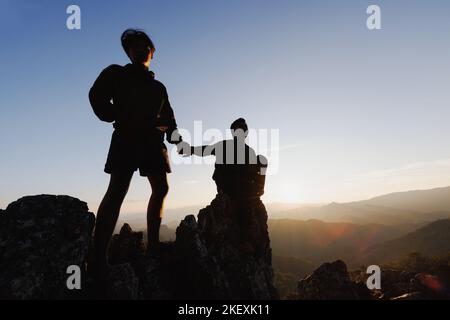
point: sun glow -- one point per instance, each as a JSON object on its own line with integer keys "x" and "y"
{"x": 286, "y": 192}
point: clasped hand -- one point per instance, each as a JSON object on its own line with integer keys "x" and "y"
{"x": 184, "y": 148}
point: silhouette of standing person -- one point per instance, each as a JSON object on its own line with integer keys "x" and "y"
{"x": 139, "y": 107}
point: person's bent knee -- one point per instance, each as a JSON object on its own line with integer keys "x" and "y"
{"x": 159, "y": 186}
{"x": 161, "y": 191}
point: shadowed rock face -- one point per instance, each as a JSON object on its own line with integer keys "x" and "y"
{"x": 230, "y": 245}
{"x": 224, "y": 255}
{"x": 127, "y": 246}
{"x": 40, "y": 236}
{"x": 220, "y": 256}
{"x": 331, "y": 281}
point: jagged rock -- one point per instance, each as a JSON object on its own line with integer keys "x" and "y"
{"x": 395, "y": 283}
{"x": 222, "y": 256}
{"x": 122, "y": 283}
{"x": 160, "y": 280}
{"x": 127, "y": 246}
{"x": 403, "y": 285}
{"x": 234, "y": 237}
{"x": 331, "y": 281}
{"x": 40, "y": 236}
{"x": 226, "y": 254}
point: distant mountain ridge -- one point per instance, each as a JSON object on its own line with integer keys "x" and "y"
{"x": 317, "y": 241}
{"x": 431, "y": 200}
{"x": 409, "y": 207}
{"x": 432, "y": 240}
{"x": 417, "y": 207}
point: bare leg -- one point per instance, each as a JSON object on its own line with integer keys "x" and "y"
{"x": 160, "y": 188}
{"x": 107, "y": 215}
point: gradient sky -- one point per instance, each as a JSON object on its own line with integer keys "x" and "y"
{"x": 360, "y": 113}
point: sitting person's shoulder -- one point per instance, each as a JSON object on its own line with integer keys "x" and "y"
{"x": 221, "y": 144}
{"x": 262, "y": 160}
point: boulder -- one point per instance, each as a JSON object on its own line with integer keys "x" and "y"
{"x": 40, "y": 237}
{"x": 331, "y": 281}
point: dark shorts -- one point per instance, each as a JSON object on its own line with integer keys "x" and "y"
{"x": 128, "y": 153}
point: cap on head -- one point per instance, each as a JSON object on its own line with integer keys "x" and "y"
{"x": 131, "y": 37}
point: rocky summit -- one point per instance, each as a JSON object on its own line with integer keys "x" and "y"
{"x": 40, "y": 236}
{"x": 223, "y": 254}
{"x": 211, "y": 258}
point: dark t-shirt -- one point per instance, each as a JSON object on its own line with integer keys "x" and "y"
{"x": 231, "y": 152}
{"x": 130, "y": 97}
{"x": 239, "y": 172}
{"x": 138, "y": 104}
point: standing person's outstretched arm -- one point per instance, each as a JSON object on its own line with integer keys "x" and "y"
{"x": 102, "y": 92}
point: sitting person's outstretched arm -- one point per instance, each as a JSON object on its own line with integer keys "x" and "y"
{"x": 200, "y": 151}
{"x": 203, "y": 151}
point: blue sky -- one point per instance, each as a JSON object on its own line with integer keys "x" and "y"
{"x": 359, "y": 112}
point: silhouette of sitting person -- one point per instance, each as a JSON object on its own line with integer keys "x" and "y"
{"x": 139, "y": 107}
{"x": 240, "y": 174}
